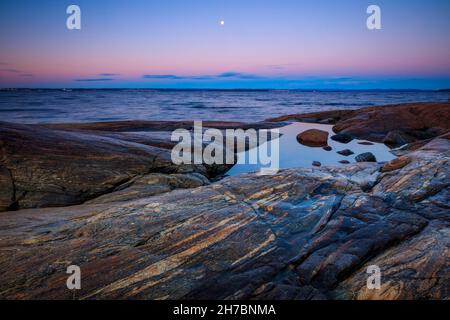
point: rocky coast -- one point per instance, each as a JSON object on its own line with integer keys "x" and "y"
{"x": 106, "y": 197}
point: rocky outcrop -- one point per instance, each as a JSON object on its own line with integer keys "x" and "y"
{"x": 313, "y": 138}
{"x": 307, "y": 233}
{"x": 67, "y": 164}
{"x": 60, "y": 165}
{"x": 394, "y": 124}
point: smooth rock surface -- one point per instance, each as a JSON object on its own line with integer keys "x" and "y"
{"x": 313, "y": 138}
{"x": 417, "y": 121}
{"x": 342, "y": 137}
{"x": 396, "y": 164}
{"x": 346, "y": 152}
{"x": 300, "y": 234}
{"x": 366, "y": 157}
{"x": 67, "y": 164}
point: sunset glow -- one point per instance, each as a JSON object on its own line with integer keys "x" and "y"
{"x": 270, "y": 44}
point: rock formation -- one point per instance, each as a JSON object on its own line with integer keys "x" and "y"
{"x": 413, "y": 122}
{"x": 313, "y": 138}
{"x": 301, "y": 234}
{"x": 140, "y": 228}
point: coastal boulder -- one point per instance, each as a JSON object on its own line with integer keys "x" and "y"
{"x": 313, "y": 138}
{"x": 366, "y": 157}
{"x": 418, "y": 120}
{"x": 397, "y": 138}
{"x": 346, "y": 152}
{"x": 374, "y": 123}
{"x": 342, "y": 137}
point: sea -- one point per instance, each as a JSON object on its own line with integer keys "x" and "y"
{"x": 94, "y": 105}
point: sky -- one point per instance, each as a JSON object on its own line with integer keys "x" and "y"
{"x": 279, "y": 44}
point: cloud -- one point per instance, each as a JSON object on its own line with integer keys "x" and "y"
{"x": 15, "y": 71}
{"x": 229, "y": 75}
{"x": 108, "y": 74}
{"x": 238, "y": 75}
{"x": 225, "y": 75}
{"x": 163, "y": 76}
{"x": 10, "y": 70}
{"x": 94, "y": 80}
{"x": 281, "y": 66}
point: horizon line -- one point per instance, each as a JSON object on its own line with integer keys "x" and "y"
{"x": 214, "y": 89}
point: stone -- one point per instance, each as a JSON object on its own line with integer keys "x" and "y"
{"x": 301, "y": 234}
{"x": 366, "y": 143}
{"x": 396, "y": 164}
{"x": 366, "y": 157}
{"x": 327, "y": 148}
{"x": 316, "y": 164}
{"x": 397, "y": 138}
{"x": 344, "y": 161}
{"x": 346, "y": 152}
{"x": 342, "y": 137}
{"x": 374, "y": 123}
{"x": 313, "y": 138}
{"x": 422, "y": 120}
{"x": 165, "y": 232}
{"x": 332, "y": 116}
{"x": 60, "y": 165}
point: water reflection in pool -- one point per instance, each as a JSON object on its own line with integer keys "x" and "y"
{"x": 294, "y": 154}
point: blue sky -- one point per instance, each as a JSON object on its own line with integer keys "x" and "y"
{"x": 300, "y": 44}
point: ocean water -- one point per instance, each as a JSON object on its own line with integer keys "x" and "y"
{"x": 55, "y": 106}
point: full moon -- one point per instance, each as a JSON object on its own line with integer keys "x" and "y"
{"x": 222, "y": 22}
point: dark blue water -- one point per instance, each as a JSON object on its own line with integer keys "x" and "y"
{"x": 52, "y": 106}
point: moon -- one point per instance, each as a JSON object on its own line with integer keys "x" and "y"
{"x": 222, "y": 22}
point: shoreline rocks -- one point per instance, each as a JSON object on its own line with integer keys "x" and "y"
{"x": 366, "y": 157}
{"x": 346, "y": 152}
{"x": 140, "y": 228}
{"x": 396, "y": 164}
{"x": 316, "y": 164}
{"x": 342, "y": 138}
{"x": 305, "y": 233}
{"x": 313, "y": 138}
{"x": 412, "y": 121}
